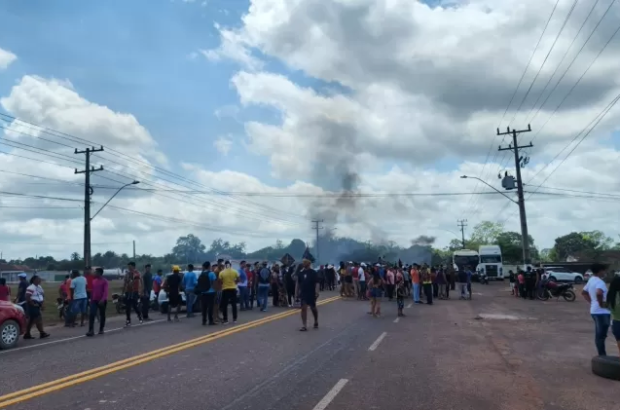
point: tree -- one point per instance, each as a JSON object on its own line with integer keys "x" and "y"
{"x": 575, "y": 243}
{"x": 512, "y": 247}
{"x": 75, "y": 256}
{"x": 189, "y": 249}
{"x": 486, "y": 232}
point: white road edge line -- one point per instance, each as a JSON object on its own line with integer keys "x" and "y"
{"x": 66, "y": 339}
{"x": 331, "y": 395}
{"x": 396, "y": 320}
{"x": 409, "y": 305}
{"x": 376, "y": 342}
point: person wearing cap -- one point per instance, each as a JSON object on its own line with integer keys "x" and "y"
{"x": 20, "y": 298}
{"x": 132, "y": 287}
{"x": 309, "y": 293}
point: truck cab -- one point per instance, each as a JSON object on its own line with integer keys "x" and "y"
{"x": 491, "y": 262}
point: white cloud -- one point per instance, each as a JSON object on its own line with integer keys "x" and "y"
{"x": 6, "y": 58}
{"x": 223, "y": 145}
{"x": 232, "y": 47}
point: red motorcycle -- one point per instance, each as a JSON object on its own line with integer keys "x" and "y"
{"x": 550, "y": 289}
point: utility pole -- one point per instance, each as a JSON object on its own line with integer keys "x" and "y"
{"x": 88, "y": 191}
{"x": 134, "y": 250}
{"x": 462, "y": 224}
{"x": 316, "y": 223}
{"x": 514, "y": 147}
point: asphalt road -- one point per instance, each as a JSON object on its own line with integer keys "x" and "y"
{"x": 451, "y": 355}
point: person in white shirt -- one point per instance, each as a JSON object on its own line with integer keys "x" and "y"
{"x": 34, "y": 303}
{"x": 595, "y": 292}
{"x": 362, "y": 278}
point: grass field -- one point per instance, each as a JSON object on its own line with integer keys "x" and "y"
{"x": 50, "y": 314}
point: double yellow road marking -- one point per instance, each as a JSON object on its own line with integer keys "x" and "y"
{"x": 79, "y": 378}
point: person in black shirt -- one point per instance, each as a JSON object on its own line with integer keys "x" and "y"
{"x": 173, "y": 288}
{"x": 512, "y": 279}
{"x": 309, "y": 292}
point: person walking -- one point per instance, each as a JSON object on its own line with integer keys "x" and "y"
{"x": 204, "y": 287}
{"x": 132, "y": 287}
{"x": 595, "y": 292}
{"x": 309, "y": 293}
{"x": 147, "y": 287}
{"x": 229, "y": 278}
{"x": 35, "y": 304}
{"x": 189, "y": 283}
{"x": 512, "y": 280}
{"x": 98, "y": 302}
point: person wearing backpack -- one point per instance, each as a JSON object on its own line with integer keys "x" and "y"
{"x": 205, "y": 291}
{"x": 264, "y": 282}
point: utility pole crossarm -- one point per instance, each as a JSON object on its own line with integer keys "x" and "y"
{"x": 462, "y": 224}
{"x": 88, "y": 191}
{"x": 515, "y": 147}
{"x": 316, "y": 227}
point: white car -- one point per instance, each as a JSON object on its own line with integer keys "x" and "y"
{"x": 559, "y": 274}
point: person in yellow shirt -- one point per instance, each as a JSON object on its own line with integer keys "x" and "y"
{"x": 229, "y": 278}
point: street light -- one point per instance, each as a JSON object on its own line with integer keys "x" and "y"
{"x": 490, "y": 186}
{"x": 112, "y": 197}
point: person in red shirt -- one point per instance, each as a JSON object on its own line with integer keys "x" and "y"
{"x": 88, "y": 274}
{"x": 5, "y": 291}
{"x": 98, "y": 302}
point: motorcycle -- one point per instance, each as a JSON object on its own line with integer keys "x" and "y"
{"x": 119, "y": 303}
{"x": 556, "y": 290}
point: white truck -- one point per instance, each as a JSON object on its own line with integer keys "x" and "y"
{"x": 491, "y": 262}
{"x": 463, "y": 258}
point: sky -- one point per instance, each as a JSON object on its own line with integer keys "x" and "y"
{"x": 264, "y": 112}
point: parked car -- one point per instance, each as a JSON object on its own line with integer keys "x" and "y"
{"x": 12, "y": 324}
{"x": 560, "y": 274}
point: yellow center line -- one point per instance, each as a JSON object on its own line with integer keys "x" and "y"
{"x": 79, "y": 378}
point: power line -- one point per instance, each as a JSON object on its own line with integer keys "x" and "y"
{"x": 486, "y": 161}
{"x": 570, "y": 12}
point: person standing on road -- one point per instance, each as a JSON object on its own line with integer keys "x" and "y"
{"x": 204, "y": 287}
{"x": 34, "y": 304}
{"x": 20, "y": 298}
{"x": 98, "y": 302}
{"x": 147, "y": 287}
{"x": 442, "y": 283}
{"x": 530, "y": 283}
{"x": 595, "y": 292}
{"x": 132, "y": 288}
{"x": 362, "y": 280}
{"x": 390, "y": 281}
{"x": 462, "y": 277}
{"x": 172, "y": 286}
{"x": 309, "y": 293}
{"x": 244, "y": 293}
{"x": 189, "y": 284}
{"x": 229, "y": 279}
{"x": 415, "y": 280}
{"x": 427, "y": 282}
{"x": 613, "y": 301}
{"x": 512, "y": 280}
{"x": 264, "y": 282}
{"x": 158, "y": 280}
{"x": 79, "y": 297}
{"x": 376, "y": 289}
